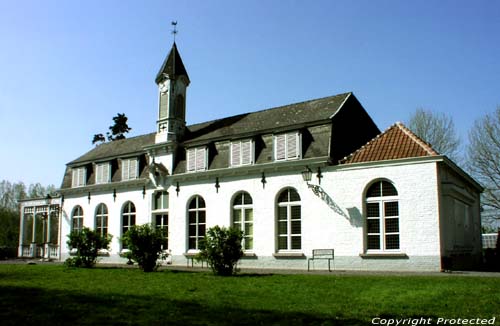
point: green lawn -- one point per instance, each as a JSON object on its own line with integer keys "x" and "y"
{"x": 55, "y": 295}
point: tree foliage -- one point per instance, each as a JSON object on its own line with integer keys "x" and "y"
{"x": 438, "y": 129}
{"x": 483, "y": 156}
{"x": 145, "y": 245}
{"x": 87, "y": 243}
{"x": 221, "y": 248}
{"x": 116, "y": 131}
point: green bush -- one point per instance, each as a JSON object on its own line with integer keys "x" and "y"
{"x": 144, "y": 243}
{"x": 87, "y": 244}
{"x": 221, "y": 248}
{"x": 8, "y": 252}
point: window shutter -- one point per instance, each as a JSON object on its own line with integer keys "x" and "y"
{"x": 236, "y": 153}
{"x": 125, "y": 169}
{"x": 133, "y": 169}
{"x": 246, "y": 152}
{"x": 78, "y": 179}
{"x": 201, "y": 159}
{"x": 191, "y": 159}
{"x": 280, "y": 147}
{"x": 291, "y": 140}
{"x": 74, "y": 179}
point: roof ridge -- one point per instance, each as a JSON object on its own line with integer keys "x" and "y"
{"x": 422, "y": 143}
{"x": 272, "y": 108}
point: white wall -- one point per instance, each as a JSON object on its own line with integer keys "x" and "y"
{"x": 322, "y": 224}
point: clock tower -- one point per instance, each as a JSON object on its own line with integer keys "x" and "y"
{"x": 172, "y": 81}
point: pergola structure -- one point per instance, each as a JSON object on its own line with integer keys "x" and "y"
{"x": 40, "y": 221}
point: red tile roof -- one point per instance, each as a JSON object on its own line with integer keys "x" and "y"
{"x": 395, "y": 143}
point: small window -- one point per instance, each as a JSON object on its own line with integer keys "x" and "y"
{"x": 197, "y": 159}
{"x": 160, "y": 200}
{"x": 77, "y": 219}
{"x": 79, "y": 177}
{"x": 287, "y": 146}
{"x": 130, "y": 169}
{"x": 241, "y": 152}
{"x": 102, "y": 173}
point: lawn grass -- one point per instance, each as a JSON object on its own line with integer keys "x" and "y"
{"x": 56, "y": 295}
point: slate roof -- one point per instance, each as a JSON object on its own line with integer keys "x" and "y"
{"x": 172, "y": 65}
{"x": 254, "y": 123}
{"x": 279, "y": 118}
{"x": 395, "y": 143}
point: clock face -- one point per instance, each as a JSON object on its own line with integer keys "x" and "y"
{"x": 164, "y": 87}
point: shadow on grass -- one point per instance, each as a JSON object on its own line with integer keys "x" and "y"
{"x": 33, "y": 306}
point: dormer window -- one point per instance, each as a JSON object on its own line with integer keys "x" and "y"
{"x": 242, "y": 152}
{"x": 287, "y": 146}
{"x": 103, "y": 172}
{"x": 79, "y": 177}
{"x": 130, "y": 169}
{"x": 197, "y": 159}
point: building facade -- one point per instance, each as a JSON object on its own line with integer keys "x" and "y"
{"x": 381, "y": 200}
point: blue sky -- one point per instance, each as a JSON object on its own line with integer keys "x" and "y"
{"x": 68, "y": 67}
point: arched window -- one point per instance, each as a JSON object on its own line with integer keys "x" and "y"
{"x": 197, "y": 221}
{"x": 382, "y": 217}
{"x": 289, "y": 228}
{"x": 243, "y": 218}
{"x": 128, "y": 218}
{"x": 77, "y": 219}
{"x": 101, "y": 219}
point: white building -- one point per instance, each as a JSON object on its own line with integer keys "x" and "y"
{"x": 383, "y": 201}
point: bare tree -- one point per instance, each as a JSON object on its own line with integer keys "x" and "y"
{"x": 438, "y": 129}
{"x": 483, "y": 156}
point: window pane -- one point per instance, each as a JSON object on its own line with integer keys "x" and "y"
{"x": 247, "y": 199}
{"x": 238, "y": 200}
{"x": 248, "y": 229}
{"x": 283, "y": 198}
{"x": 192, "y": 230}
{"x": 192, "y": 243}
{"x": 295, "y": 212}
{"x": 248, "y": 243}
{"x": 296, "y": 242}
{"x": 373, "y": 242}
{"x": 373, "y": 225}
{"x": 157, "y": 201}
{"x": 192, "y": 204}
{"x": 391, "y": 209}
{"x": 388, "y": 189}
{"x": 192, "y": 217}
{"x": 296, "y": 228}
{"x": 201, "y": 202}
{"x": 282, "y": 228}
{"x": 372, "y": 210}
{"x": 201, "y": 217}
{"x": 158, "y": 220}
{"x": 294, "y": 196}
{"x": 282, "y": 243}
{"x": 391, "y": 225}
{"x": 282, "y": 213}
{"x": 392, "y": 241}
{"x": 237, "y": 215}
{"x": 374, "y": 190}
{"x": 249, "y": 214}
{"x": 201, "y": 230}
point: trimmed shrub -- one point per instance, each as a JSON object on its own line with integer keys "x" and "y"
{"x": 87, "y": 244}
{"x": 221, "y": 248}
{"x": 144, "y": 243}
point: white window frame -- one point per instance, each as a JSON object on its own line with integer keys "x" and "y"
{"x": 129, "y": 218}
{"x": 285, "y": 138}
{"x": 161, "y": 211}
{"x": 199, "y": 153}
{"x": 127, "y": 172}
{"x": 101, "y": 176}
{"x": 77, "y": 216}
{"x": 288, "y": 205}
{"x": 244, "y": 208}
{"x": 236, "y": 155}
{"x": 197, "y": 211}
{"x": 382, "y": 201}
{"x": 79, "y": 177}
{"x": 102, "y": 213}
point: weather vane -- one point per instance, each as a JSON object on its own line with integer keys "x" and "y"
{"x": 174, "y": 31}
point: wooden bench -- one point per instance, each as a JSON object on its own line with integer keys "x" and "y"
{"x": 321, "y": 254}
